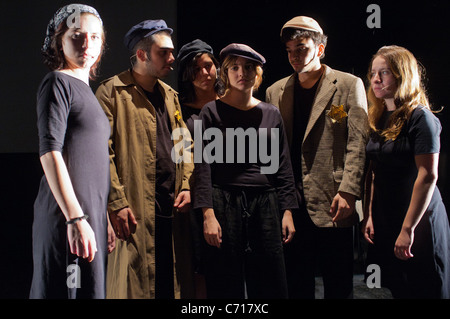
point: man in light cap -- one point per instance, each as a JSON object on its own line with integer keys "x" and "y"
{"x": 148, "y": 189}
{"x": 325, "y": 115}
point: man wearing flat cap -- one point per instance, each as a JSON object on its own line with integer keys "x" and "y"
{"x": 149, "y": 190}
{"x": 325, "y": 116}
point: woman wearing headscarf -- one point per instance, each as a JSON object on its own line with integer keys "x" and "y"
{"x": 405, "y": 219}
{"x": 70, "y": 222}
{"x": 247, "y": 206}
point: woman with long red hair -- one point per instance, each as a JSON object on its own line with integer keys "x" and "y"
{"x": 405, "y": 218}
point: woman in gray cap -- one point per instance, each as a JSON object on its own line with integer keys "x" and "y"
{"x": 69, "y": 249}
{"x": 246, "y": 207}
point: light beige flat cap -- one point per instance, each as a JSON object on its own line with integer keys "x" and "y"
{"x": 302, "y": 22}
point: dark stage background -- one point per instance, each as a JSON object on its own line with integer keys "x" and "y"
{"x": 424, "y": 30}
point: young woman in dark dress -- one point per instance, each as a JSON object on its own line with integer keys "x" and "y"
{"x": 246, "y": 210}
{"x": 199, "y": 84}
{"x": 405, "y": 218}
{"x": 70, "y": 241}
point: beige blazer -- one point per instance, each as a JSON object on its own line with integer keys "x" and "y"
{"x": 333, "y": 153}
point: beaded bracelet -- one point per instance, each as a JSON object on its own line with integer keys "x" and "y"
{"x": 76, "y": 219}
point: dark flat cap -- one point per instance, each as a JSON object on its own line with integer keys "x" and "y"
{"x": 189, "y": 50}
{"x": 242, "y": 50}
{"x": 142, "y": 30}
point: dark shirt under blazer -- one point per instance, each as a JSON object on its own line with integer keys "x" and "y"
{"x": 333, "y": 154}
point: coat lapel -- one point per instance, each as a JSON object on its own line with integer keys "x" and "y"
{"x": 324, "y": 94}
{"x": 286, "y": 106}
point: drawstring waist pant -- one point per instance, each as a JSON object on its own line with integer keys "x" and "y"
{"x": 250, "y": 261}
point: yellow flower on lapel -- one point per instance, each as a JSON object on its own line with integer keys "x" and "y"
{"x": 337, "y": 113}
{"x": 177, "y": 116}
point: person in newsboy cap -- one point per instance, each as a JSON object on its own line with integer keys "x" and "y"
{"x": 198, "y": 79}
{"x": 189, "y": 50}
{"x": 239, "y": 199}
{"x": 141, "y": 37}
{"x": 143, "y": 30}
{"x": 194, "y": 58}
{"x": 325, "y": 116}
{"x": 244, "y": 51}
{"x": 147, "y": 187}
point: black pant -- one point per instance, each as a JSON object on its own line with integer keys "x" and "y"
{"x": 251, "y": 254}
{"x": 163, "y": 258}
{"x": 319, "y": 251}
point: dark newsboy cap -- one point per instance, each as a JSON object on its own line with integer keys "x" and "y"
{"x": 189, "y": 50}
{"x": 142, "y": 30}
{"x": 242, "y": 50}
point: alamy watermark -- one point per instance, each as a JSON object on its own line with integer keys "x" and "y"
{"x": 73, "y": 21}
{"x": 73, "y": 276}
{"x": 373, "y": 279}
{"x": 374, "y": 19}
{"x": 239, "y": 144}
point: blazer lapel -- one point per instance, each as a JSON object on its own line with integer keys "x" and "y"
{"x": 286, "y": 106}
{"x": 325, "y": 92}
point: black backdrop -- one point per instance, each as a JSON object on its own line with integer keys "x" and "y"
{"x": 423, "y": 28}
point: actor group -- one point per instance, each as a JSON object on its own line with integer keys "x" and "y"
{"x": 138, "y": 224}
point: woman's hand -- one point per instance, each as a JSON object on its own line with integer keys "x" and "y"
{"x": 424, "y": 185}
{"x": 80, "y": 234}
{"x": 183, "y": 202}
{"x": 82, "y": 240}
{"x": 368, "y": 230}
{"x": 288, "y": 229}
{"x": 211, "y": 228}
{"x": 402, "y": 249}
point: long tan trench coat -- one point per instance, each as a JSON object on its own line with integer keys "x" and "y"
{"x": 131, "y": 266}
